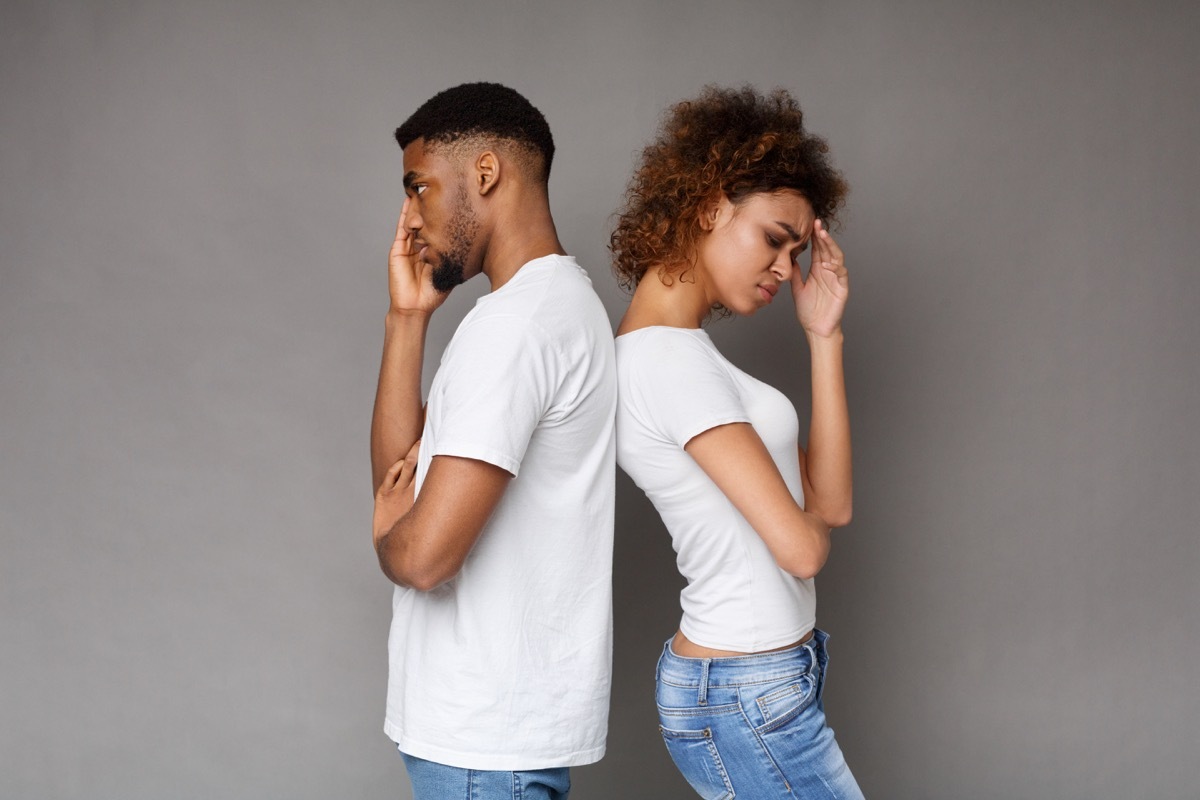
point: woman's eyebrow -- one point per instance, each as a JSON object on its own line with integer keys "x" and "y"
{"x": 790, "y": 230}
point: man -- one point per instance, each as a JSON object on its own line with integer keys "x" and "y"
{"x": 500, "y": 644}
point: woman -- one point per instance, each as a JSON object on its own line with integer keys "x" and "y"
{"x": 726, "y": 199}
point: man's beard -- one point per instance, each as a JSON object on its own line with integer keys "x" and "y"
{"x": 451, "y": 266}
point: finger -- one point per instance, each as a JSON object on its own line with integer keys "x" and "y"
{"x": 830, "y": 244}
{"x": 391, "y": 476}
{"x": 820, "y": 242}
{"x": 416, "y": 447}
{"x": 407, "y": 471}
{"x": 403, "y": 234}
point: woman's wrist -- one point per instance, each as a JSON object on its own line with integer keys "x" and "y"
{"x": 833, "y": 337}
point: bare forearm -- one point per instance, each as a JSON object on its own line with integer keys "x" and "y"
{"x": 829, "y": 454}
{"x": 806, "y": 549}
{"x": 423, "y": 542}
{"x": 396, "y": 558}
{"x": 397, "y": 419}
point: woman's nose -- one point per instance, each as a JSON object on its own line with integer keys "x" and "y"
{"x": 784, "y": 266}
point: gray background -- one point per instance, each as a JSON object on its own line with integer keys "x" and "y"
{"x": 197, "y": 202}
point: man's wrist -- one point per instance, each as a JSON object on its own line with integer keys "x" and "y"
{"x": 408, "y": 319}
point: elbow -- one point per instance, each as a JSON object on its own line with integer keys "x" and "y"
{"x": 805, "y": 569}
{"x": 840, "y": 518}
{"x": 837, "y": 515}
{"x": 424, "y": 577}
{"x": 807, "y": 550}
{"x": 804, "y": 564}
{"x": 425, "y": 581}
{"x": 417, "y": 571}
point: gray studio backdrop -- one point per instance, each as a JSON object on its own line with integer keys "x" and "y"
{"x": 197, "y": 202}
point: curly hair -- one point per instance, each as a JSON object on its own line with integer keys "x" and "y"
{"x": 481, "y": 109}
{"x": 732, "y": 141}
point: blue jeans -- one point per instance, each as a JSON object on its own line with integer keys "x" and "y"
{"x": 753, "y": 726}
{"x": 433, "y": 781}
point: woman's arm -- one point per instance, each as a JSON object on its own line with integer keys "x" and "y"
{"x": 820, "y": 303}
{"x": 737, "y": 461}
{"x": 828, "y": 490}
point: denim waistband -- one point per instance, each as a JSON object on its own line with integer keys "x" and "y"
{"x": 741, "y": 670}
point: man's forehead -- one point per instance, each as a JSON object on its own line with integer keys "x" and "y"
{"x": 427, "y": 158}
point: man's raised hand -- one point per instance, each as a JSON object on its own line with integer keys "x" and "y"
{"x": 410, "y": 277}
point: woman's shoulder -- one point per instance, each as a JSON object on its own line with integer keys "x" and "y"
{"x": 669, "y": 357}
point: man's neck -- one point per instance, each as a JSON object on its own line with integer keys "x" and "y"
{"x": 522, "y": 237}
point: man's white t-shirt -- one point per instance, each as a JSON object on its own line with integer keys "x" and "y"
{"x": 507, "y": 665}
{"x": 674, "y": 384}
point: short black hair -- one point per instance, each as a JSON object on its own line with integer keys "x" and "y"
{"x": 480, "y": 109}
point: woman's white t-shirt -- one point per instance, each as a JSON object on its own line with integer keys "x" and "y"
{"x": 674, "y": 384}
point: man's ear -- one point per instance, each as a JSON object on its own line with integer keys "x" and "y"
{"x": 712, "y": 210}
{"x": 487, "y": 172}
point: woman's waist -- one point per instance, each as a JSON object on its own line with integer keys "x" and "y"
{"x": 680, "y": 645}
{"x": 737, "y": 668}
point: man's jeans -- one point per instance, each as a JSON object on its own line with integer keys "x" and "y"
{"x": 753, "y": 726}
{"x": 433, "y": 781}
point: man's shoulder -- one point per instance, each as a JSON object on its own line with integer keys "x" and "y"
{"x": 554, "y": 301}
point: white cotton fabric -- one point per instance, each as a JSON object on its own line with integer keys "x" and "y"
{"x": 507, "y": 666}
{"x": 674, "y": 384}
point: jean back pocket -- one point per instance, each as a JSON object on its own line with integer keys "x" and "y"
{"x": 696, "y": 756}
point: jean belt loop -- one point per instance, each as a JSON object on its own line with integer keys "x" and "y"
{"x": 702, "y": 699}
{"x": 811, "y": 647}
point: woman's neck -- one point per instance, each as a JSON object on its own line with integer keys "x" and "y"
{"x": 682, "y": 303}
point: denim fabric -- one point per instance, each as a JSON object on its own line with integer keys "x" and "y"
{"x": 753, "y": 726}
{"x": 433, "y": 781}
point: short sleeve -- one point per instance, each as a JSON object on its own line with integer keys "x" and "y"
{"x": 681, "y": 388}
{"x": 493, "y": 389}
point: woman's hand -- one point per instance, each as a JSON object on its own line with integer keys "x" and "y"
{"x": 821, "y": 298}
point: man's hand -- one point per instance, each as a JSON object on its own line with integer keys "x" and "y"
{"x": 395, "y": 496}
{"x": 410, "y": 277}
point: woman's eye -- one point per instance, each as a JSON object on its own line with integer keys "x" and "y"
{"x": 772, "y": 241}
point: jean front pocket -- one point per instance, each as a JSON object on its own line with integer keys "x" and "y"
{"x": 780, "y": 706}
{"x": 696, "y": 756}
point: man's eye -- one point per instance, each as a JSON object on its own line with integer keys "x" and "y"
{"x": 419, "y": 189}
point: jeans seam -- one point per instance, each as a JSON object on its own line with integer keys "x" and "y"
{"x": 713, "y": 685}
{"x": 766, "y": 750}
{"x": 706, "y": 711}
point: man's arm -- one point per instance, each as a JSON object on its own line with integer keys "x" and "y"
{"x": 397, "y": 420}
{"x": 427, "y": 544}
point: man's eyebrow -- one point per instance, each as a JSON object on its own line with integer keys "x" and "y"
{"x": 409, "y": 178}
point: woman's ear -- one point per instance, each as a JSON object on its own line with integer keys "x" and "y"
{"x": 487, "y": 171}
{"x": 712, "y": 210}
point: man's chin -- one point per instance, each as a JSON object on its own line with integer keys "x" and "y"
{"x": 446, "y": 276}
